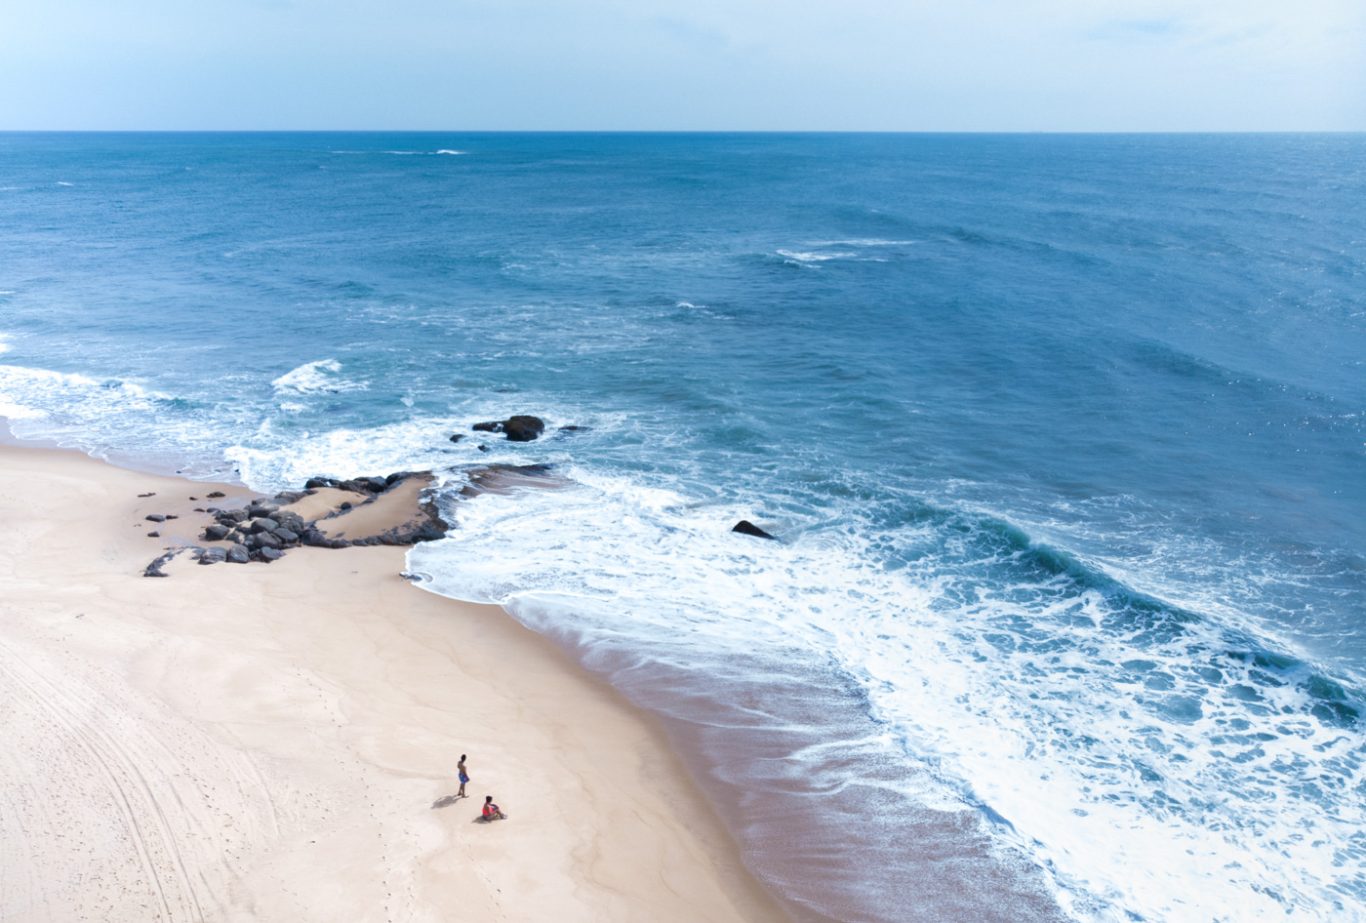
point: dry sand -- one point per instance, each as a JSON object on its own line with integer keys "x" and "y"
{"x": 278, "y": 741}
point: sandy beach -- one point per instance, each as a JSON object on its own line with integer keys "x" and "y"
{"x": 278, "y": 741}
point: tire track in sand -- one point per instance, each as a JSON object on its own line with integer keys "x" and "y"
{"x": 94, "y": 737}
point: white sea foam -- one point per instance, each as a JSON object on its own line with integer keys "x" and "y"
{"x": 815, "y": 256}
{"x": 863, "y": 242}
{"x": 74, "y": 409}
{"x": 62, "y": 183}
{"x": 320, "y": 377}
{"x": 4, "y": 340}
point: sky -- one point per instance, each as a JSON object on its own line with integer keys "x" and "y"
{"x": 810, "y": 65}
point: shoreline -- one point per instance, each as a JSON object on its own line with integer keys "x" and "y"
{"x": 250, "y": 741}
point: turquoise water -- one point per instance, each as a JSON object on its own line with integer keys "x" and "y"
{"x": 1063, "y": 435}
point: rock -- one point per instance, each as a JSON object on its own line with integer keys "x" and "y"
{"x": 154, "y": 517}
{"x": 523, "y": 428}
{"x": 287, "y": 536}
{"x": 745, "y": 527}
{"x": 155, "y": 568}
{"x": 269, "y": 554}
{"x": 215, "y": 494}
{"x": 345, "y": 506}
{"x": 289, "y": 496}
{"x": 397, "y": 476}
{"x": 213, "y": 555}
{"x": 194, "y": 499}
{"x": 519, "y": 428}
{"x": 228, "y": 517}
{"x": 291, "y": 521}
{"x": 483, "y": 448}
{"x": 571, "y": 430}
{"x": 216, "y": 532}
{"x": 312, "y": 536}
{"x": 257, "y": 510}
{"x": 238, "y": 554}
{"x": 315, "y": 483}
{"x": 154, "y": 534}
{"x": 152, "y": 494}
{"x": 264, "y": 525}
{"x": 266, "y": 540}
{"x": 238, "y": 537}
{"x": 456, "y": 437}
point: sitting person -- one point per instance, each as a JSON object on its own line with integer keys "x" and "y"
{"x": 491, "y": 810}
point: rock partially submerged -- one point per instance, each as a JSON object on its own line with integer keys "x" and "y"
{"x": 519, "y": 428}
{"x": 745, "y": 527}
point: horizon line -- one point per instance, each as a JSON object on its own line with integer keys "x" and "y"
{"x": 686, "y": 131}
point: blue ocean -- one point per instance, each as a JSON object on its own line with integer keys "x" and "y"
{"x": 1063, "y": 437}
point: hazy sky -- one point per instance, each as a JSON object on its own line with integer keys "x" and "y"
{"x": 684, "y": 64}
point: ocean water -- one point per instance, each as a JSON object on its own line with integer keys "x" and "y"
{"x": 1064, "y": 438}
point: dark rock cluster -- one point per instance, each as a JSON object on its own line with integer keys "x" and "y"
{"x": 263, "y": 530}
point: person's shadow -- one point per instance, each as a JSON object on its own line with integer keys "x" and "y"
{"x": 445, "y": 801}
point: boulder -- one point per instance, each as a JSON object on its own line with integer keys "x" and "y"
{"x": 315, "y": 483}
{"x": 493, "y": 426}
{"x": 265, "y": 540}
{"x": 238, "y": 554}
{"x": 215, "y": 494}
{"x": 265, "y": 524}
{"x": 216, "y": 532}
{"x": 523, "y": 428}
{"x": 291, "y": 521}
{"x": 213, "y": 555}
{"x": 258, "y": 510}
{"x": 745, "y": 527}
{"x": 456, "y": 437}
{"x": 154, "y": 534}
{"x": 287, "y": 536}
{"x": 269, "y": 554}
{"x": 231, "y": 516}
{"x": 154, "y": 517}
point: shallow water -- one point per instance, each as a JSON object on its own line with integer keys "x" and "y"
{"x": 1064, "y": 438}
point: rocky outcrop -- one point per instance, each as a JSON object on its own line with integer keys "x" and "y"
{"x": 265, "y": 529}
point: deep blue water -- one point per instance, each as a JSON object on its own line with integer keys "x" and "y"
{"x": 1065, "y": 437}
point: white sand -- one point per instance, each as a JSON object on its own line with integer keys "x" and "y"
{"x": 278, "y": 742}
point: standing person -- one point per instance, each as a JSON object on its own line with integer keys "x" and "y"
{"x": 464, "y": 777}
{"x": 491, "y": 810}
